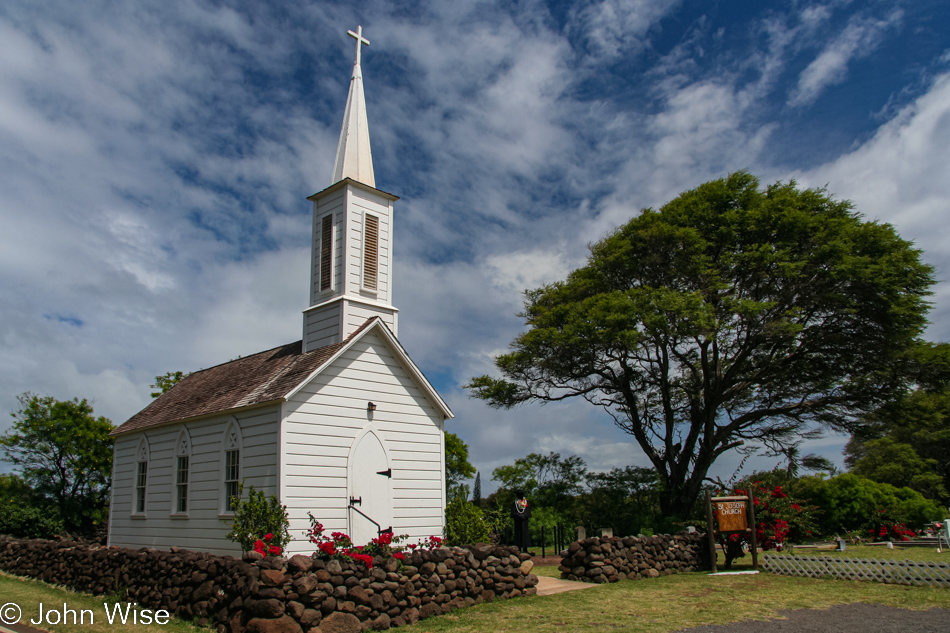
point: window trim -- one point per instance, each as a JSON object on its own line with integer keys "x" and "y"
{"x": 182, "y": 451}
{"x": 140, "y": 480}
{"x": 231, "y": 442}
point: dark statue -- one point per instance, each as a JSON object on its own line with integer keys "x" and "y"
{"x": 520, "y": 513}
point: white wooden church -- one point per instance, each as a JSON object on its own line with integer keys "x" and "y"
{"x": 341, "y": 424}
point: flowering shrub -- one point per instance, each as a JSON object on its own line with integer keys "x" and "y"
{"x": 339, "y": 545}
{"x": 268, "y": 546}
{"x": 887, "y": 527}
{"x": 778, "y": 518}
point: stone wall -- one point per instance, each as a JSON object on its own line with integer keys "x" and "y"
{"x": 611, "y": 558}
{"x": 277, "y": 595}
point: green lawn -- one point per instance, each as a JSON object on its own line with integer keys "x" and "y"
{"x": 28, "y": 594}
{"x": 551, "y": 571}
{"x": 877, "y": 552}
{"x": 672, "y": 603}
{"x": 659, "y": 605}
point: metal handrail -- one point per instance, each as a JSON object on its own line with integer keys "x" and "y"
{"x": 379, "y": 529}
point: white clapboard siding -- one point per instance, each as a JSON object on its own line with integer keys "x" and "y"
{"x": 321, "y": 422}
{"x": 322, "y": 326}
{"x": 202, "y": 528}
{"x": 357, "y": 314}
{"x": 362, "y": 203}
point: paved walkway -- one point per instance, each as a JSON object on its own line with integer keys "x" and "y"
{"x": 550, "y": 586}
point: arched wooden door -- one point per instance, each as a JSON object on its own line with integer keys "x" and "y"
{"x": 370, "y": 488}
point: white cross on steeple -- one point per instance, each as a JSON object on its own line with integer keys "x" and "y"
{"x": 358, "y": 36}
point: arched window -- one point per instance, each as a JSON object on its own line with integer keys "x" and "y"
{"x": 231, "y": 462}
{"x": 182, "y": 467}
{"x": 141, "y": 477}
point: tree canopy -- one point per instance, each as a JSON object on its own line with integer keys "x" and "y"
{"x": 457, "y": 466}
{"x": 906, "y": 442}
{"x": 166, "y": 381}
{"x": 547, "y": 480}
{"x": 735, "y": 317}
{"x": 64, "y": 454}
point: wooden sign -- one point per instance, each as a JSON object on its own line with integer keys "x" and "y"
{"x": 732, "y": 516}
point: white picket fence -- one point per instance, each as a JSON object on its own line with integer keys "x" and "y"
{"x": 898, "y": 572}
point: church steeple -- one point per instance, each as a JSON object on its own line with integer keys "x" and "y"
{"x": 352, "y": 252}
{"x": 354, "y": 158}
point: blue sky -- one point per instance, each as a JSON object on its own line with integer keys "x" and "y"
{"x": 155, "y": 159}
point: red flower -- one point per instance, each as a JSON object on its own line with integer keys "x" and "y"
{"x": 274, "y": 550}
{"x": 399, "y": 556}
{"x": 268, "y": 536}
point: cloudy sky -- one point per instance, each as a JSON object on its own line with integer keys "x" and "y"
{"x": 155, "y": 159}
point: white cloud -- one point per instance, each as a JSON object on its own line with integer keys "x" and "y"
{"x": 859, "y": 38}
{"x": 612, "y": 27}
{"x": 899, "y": 177}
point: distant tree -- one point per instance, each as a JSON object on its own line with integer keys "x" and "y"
{"x": 625, "y": 499}
{"x": 891, "y": 462}
{"x": 906, "y": 442}
{"x": 733, "y": 318}
{"x": 15, "y": 491}
{"x": 547, "y": 480}
{"x": 166, "y": 381}
{"x": 64, "y": 454}
{"x": 477, "y": 490}
{"x": 798, "y": 462}
{"x": 850, "y": 502}
{"x": 457, "y": 467}
{"x": 23, "y": 513}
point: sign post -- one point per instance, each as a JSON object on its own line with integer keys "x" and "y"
{"x": 733, "y": 515}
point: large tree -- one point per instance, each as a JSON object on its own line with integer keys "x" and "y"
{"x": 64, "y": 454}
{"x": 734, "y": 317}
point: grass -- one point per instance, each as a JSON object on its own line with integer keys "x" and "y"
{"x": 661, "y": 605}
{"x": 878, "y": 552}
{"x": 672, "y": 603}
{"x": 28, "y": 594}
{"x": 551, "y": 571}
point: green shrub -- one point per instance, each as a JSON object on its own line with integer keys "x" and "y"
{"x": 256, "y": 517}
{"x": 464, "y": 523}
{"x": 30, "y": 522}
{"x": 547, "y": 518}
{"x": 849, "y": 502}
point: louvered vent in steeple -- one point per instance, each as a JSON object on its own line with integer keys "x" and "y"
{"x": 371, "y": 252}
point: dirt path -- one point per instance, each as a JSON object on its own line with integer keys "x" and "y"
{"x": 550, "y": 586}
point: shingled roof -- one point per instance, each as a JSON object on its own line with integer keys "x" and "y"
{"x": 263, "y": 377}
